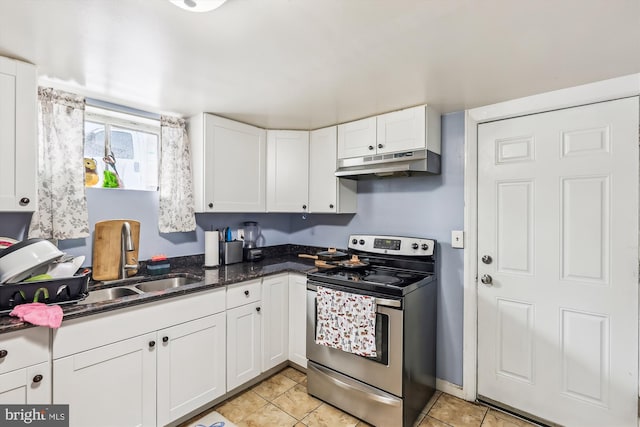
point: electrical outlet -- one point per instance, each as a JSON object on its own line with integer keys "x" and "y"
{"x": 457, "y": 239}
{"x": 240, "y": 234}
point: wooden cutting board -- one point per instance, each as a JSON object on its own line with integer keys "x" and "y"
{"x": 106, "y": 248}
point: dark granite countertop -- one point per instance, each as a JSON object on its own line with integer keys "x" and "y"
{"x": 280, "y": 259}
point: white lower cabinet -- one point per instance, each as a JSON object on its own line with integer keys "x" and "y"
{"x": 275, "y": 320}
{"x": 153, "y": 364}
{"x": 243, "y": 344}
{"x": 182, "y": 366}
{"x": 298, "y": 319}
{"x": 113, "y": 385}
{"x": 191, "y": 366}
{"x": 25, "y": 368}
{"x": 142, "y": 366}
{"x": 30, "y": 385}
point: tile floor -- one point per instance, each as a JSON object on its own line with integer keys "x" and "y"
{"x": 282, "y": 400}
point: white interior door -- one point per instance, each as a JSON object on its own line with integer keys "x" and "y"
{"x": 558, "y": 217}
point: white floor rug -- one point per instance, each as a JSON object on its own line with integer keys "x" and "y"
{"x": 212, "y": 419}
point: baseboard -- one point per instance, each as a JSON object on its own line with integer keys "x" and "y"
{"x": 449, "y": 388}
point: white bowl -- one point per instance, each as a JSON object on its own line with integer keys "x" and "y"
{"x": 21, "y": 260}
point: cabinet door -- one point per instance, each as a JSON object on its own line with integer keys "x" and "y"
{"x": 357, "y": 138}
{"x": 328, "y": 194}
{"x": 275, "y": 321}
{"x": 287, "y": 171}
{"x": 401, "y": 130}
{"x": 18, "y": 137}
{"x": 243, "y": 344}
{"x": 323, "y": 195}
{"x": 191, "y": 366}
{"x": 235, "y": 166}
{"x": 30, "y": 385}
{"x": 113, "y": 385}
{"x": 298, "y": 319}
{"x": 24, "y": 348}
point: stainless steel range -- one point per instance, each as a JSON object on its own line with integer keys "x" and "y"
{"x": 392, "y": 387}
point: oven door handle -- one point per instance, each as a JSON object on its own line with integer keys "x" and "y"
{"x": 383, "y": 302}
{"x": 388, "y": 302}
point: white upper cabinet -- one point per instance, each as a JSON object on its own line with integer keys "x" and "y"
{"x": 229, "y": 165}
{"x": 401, "y": 130}
{"x": 18, "y": 136}
{"x": 328, "y": 194}
{"x": 287, "y": 171}
{"x": 414, "y": 128}
{"x": 357, "y": 138}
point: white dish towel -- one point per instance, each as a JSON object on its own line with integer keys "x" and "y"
{"x": 346, "y": 321}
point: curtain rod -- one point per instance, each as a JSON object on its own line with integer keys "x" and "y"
{"x": 121, "y": 108}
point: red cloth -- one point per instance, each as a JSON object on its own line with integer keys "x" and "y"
{"x": 39, "y": 314}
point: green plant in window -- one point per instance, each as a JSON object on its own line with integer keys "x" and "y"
{"x": 110, "y": 180}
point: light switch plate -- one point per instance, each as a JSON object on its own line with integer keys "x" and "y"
{"x": 457, "y": 239}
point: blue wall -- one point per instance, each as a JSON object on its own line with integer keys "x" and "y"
{"x": 143, "y": 206}
{"x": 426, "y": 206}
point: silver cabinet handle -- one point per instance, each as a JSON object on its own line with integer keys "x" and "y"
{"x": 486, "y": 279}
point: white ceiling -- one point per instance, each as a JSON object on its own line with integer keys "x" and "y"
{"x": 304, "y": 64}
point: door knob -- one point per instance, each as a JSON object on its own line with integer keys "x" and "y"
{"x": 487, "y": 259}
{"x": 37, "y": 378}
{"x": 486, "y": 279}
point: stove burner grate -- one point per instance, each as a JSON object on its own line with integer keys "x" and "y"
{"x": 382, "y": 278}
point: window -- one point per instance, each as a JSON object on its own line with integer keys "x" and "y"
{"x": 120, "y": 150}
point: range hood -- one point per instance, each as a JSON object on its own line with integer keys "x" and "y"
{"x": 418, "y": 162}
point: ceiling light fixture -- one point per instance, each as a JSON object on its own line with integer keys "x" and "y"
{"x": 198, "y": 5}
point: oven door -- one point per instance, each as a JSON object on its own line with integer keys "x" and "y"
{"x": 383, "y": 371}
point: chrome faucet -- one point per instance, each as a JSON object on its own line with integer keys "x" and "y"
{"x": 126, "y": 245}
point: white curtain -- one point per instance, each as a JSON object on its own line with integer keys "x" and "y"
{"x": 175, "y": 178}
{"x": 62, "y": 204}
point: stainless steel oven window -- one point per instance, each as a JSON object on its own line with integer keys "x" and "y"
{"x": 382, "y": 339}
{"x": 382, "y": 335}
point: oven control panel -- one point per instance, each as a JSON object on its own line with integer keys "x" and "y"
{"x": 392, "y": 245}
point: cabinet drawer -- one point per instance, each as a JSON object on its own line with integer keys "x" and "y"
{"x": 243, "y": 293}
{"x": 89, "y": 332}
{"x": 24, "y": 348}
